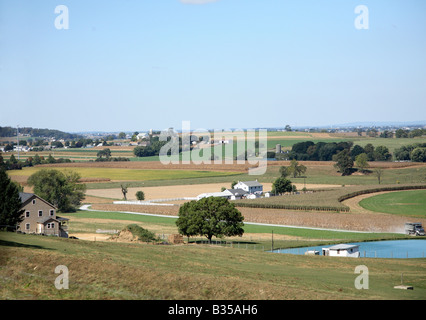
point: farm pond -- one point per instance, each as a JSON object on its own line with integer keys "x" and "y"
{"x": 402, "y": 249}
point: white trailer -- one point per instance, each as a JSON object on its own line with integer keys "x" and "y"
{"x": 342, "y": 250}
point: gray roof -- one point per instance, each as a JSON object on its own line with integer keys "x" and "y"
{"x": 252, "y": 183}
{"x": 343, "y": 246}
{"x": 237, "y": 192}
{"x": 25, "y": 196}
{"x": 45, "y": 219}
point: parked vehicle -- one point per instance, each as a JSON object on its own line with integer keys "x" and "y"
{"x": 415, "y": 229}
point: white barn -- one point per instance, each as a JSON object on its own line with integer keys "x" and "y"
{"x": 342, "y": 250}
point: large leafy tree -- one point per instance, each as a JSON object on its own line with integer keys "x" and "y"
{"x": 418, "y": 155}
{"x": 381, "y": 153}
{"x": 281, "y": 185}
{"x": 104, "y": 153}
{"x": 361, "y": 161}
{"x": 295, "y": 169}
{"x": 344, "y": 162}
{"x": 63, "y": 190}
{"x": 11, "y": 212}
{"x": 212, "y": 216}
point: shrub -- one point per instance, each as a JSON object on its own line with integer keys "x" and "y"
{"x": 140, "y": 195}
{"x": 141, "y": 233}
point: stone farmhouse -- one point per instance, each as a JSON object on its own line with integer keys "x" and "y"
{"x": 40, "y": 217}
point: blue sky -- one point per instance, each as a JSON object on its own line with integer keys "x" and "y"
{"x": 140, "y": 64}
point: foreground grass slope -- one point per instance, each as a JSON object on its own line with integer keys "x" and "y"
{"x": 135, "y": 271}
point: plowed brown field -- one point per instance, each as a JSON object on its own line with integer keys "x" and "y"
{"x": 180, "y": 191}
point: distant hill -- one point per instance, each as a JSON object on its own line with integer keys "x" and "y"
{"x": 383, "y": 124}
{"x": 38, "y": 133}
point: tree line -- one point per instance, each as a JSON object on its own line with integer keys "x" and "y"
{"x": 328, "y": 151}
{"x": 14, "y": 164}
{"x": 34, "y": 132}
{"x": 415, "y": 152}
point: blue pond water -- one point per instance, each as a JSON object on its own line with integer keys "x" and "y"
{"x": 377, "y": 249}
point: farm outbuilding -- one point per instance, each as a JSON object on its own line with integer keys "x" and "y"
{"x": 231, "y": 194}
{"x": 342, "y": 250}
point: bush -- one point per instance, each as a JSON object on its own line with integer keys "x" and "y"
{"x": 141, "y": 233}
{"x": 140, "y": 195}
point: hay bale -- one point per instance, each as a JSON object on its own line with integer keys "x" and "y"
{"x": 175, "y": 239}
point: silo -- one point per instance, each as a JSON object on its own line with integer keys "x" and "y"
{"x": 278, "y": 148}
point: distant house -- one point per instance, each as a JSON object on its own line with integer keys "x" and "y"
{"x": 40, "y": 217}
{"x": 342, "y": 250}
{"x": 142, "y": 135}
{"x": 249, "y": 186}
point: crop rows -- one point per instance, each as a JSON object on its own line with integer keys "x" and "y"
{"x": 294, "y": 207}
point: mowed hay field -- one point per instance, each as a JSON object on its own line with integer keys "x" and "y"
{"x": 403, "y": 203}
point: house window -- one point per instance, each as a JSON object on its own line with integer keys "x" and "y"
{"x": 52, "y": 212}
{"x": 51, "y": 225}
{"x": 27, "y": 214}
{"x": 27, "y": 226}
{"x": 40, "y": 213}
{"x": 34, "y": 201}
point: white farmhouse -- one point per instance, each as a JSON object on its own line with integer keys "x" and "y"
{"x": 342, "y": 250}
{"x": 249, "y": 186}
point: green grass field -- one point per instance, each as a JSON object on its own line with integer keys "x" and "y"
{"x": 114, "y": 220}
{"x": 128, "y": 174}
{"x": 407, "y": 203}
